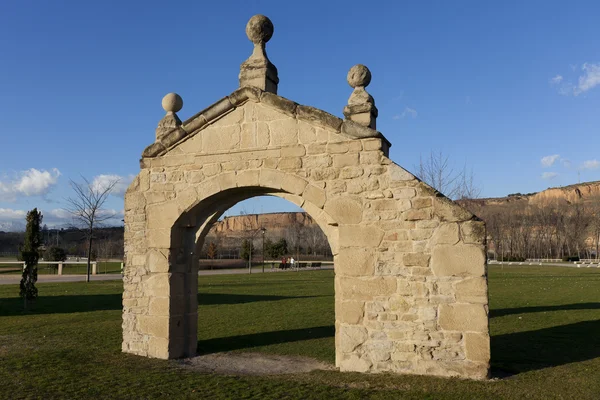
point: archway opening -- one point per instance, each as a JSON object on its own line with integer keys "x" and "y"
{"x": 251, "y": 296}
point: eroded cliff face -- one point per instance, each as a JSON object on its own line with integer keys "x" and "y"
{"x": 587, "y": 191}
{"x": 273, "y": 222}
{"x": 570, "y": 194}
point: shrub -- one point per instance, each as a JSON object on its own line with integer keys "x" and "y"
{"x": 570, "y": 258}
{"x": 54, "y": 253}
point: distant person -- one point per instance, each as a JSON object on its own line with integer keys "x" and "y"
{"x": 283, "y": 262}
{"x": 292, "y": 262}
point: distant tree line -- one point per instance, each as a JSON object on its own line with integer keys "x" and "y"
{"x": 553, "y": 229}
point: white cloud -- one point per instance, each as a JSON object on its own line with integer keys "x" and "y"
{"x": 60, "y": 213}
{"x": 409, "y": 112}
{"x": 590, "y": 164}
{"x": 31, "y": 182}
{"x": 589, "y": 79}
{"x": 8, "y": 213}
{"x": 556, "y": 80}
{"x": 548, "y": 161}
{"x": 549, "y": 175}
{"x": 101, "y": 182}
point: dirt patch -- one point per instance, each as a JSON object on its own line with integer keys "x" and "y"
{"x": 253, "y": 364}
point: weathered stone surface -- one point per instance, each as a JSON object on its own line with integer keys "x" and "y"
{"x": 360, "y": 236}
{"x": 344, "y": 210}
{"x": 349, "y": 312}
{"x": 458, "y": 260}
{"x": 477, "y": 346}
{"x": 351, "y": 336}
{"x": 446, "y": 233}
{"x": 463, "y": 317}
{"x": 473, "y": 232}
{"x": 472, "y": 290}
{"x": 447, "y": 210}
{"x": 356, "y": 262}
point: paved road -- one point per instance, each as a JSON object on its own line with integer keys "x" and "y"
{"x": 15, "y": 279}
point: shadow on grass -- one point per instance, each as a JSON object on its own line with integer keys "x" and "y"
{"x": 543, "y": 348}
{"x": 61, "y": 304}
{"x": 535, "y": 309}
{"x": 249, "y": 341}
{"x": 222, "y": 298}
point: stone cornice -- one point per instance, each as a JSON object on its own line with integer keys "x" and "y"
{"x": 198, "y": 122}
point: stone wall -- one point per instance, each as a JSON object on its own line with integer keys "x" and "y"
{"x": 410, "y": 275}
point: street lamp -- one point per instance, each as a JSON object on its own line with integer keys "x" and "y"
{"x": 263, "y": 230}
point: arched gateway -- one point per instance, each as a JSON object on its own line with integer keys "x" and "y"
{"x": 410, "y": 273}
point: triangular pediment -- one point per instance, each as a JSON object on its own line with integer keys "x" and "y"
{"x": 237, "y": 101}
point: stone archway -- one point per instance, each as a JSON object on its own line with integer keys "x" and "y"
{"x": 410, "y": 274}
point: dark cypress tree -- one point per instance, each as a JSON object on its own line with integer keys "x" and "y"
{"x": 30, "y": 255}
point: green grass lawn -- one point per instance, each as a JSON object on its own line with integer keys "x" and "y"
{"x": 545, "y": 325}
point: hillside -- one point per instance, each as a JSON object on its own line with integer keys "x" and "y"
{"x": 586, "y": 192}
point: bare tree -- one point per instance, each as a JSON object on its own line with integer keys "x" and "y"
{"x": 86, "y": 208}
{"x": 438, "y": 172}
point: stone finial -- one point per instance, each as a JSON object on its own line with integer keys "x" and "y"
{"x": 361, "y": 106}
{"x": 257, "y": 70}
{"x": 171, "y": 103}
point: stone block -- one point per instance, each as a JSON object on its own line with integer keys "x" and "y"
{"x": 355, "y": 262}
{"x": 446, "y": 233}
{"x": 417, "y": 259}
{"x": 422, "y": 202}
{"x": 366, "y": 289}
{"x": 370, "y": 157}
{"x": 248, "y": 178}
{"x": 337, "y": 148}
{"x": 350, "y": 337}
{"x": 360, "y": 236}
{"x": 354, "y": 363}
{"x": 477, "y": 347}
{"x": 270, "y": 178}
{"x": 216, "y": 139}
{"x": 290, "y": 163}
{"x": 344, "y": 210}
{"x": 162, "y": 216}
{"x": 404, "y": 193}
{"x": 293, "y": 151}
{"x": 307, "y": 134}
{"x": 463, "y": 317}
{"x": 349, "y": 312}
{"x": 293, "y": 184}
{"x": 351, "y": 172}
{"x": 447, "y": 210}
{"x": 158, "y": 347}
{"x": 314, "y": 195}
{"x": 472, "y": 290}
{"x": 157, "y": 261}
{"x": 473, "y": 232}
{"x": 399, "y": 174}
{"x": 345, "y": 160}
{"x": 319, "y": 117}
{"x": 284, "y": 132}
{"x": 458, "y": 260}
{"x": 416, "y": 215}
{"x": 157, "y": 326}
{"x": 371, "y": 144}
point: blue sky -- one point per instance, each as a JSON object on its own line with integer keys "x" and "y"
{"x": 511, "y": 89}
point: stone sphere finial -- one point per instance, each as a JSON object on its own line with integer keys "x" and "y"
{"x": 172, "y": 102}
{"x": 259, "y": 29}
{"x": 359, "y": 75}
